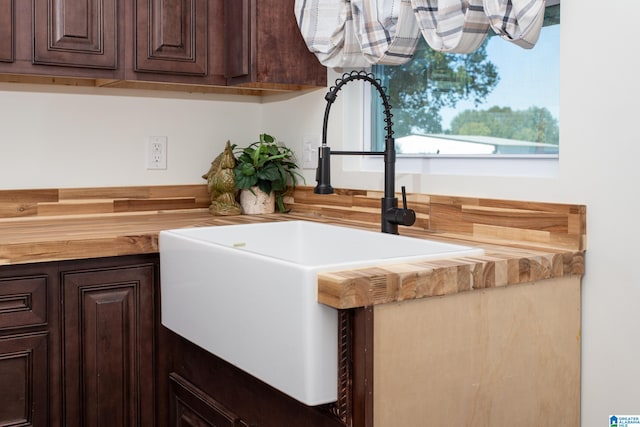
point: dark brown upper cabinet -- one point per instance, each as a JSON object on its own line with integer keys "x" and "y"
{"x": 264, "y": 47}
{"x": 172, "y": 36}
{"x": 61, "y": 40}
{"x": 76, "y": 33}
{"x": 6, "y": 30}
{"x": 177, "y": 41}
{"x": 234, "y": 46}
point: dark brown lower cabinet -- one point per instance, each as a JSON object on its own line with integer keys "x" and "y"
{"x": 28, "y": 321}
{"x": 108, "y": 330}
{"x": 191, "y": 407}
{"x": 77, "y": 342}
{"x": 204, "y": 390}
{"x": 23, "y": 380}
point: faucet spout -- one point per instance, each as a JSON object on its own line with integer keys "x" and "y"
{"x": 391, "y": 215}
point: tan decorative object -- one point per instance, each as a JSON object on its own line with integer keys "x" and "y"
{"x": 255, "y": 201}
{"x": 221, "y": 184}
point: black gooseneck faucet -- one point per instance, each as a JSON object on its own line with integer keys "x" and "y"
{"x": 391, "y": 214}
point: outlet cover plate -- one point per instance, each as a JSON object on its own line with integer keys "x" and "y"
{"x": 157, "y": 153}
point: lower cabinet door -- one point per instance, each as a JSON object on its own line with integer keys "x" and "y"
{"x": 191, "y": 407}
{"x": 23, "y": 380}
{"x": 108, "y": 346}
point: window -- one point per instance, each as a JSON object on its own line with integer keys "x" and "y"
{"x": 501, "y": 100}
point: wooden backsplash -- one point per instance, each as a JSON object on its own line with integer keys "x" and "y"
{"x": 548, "y": 224}
{"x": 101, "y": 200}
{"x": 489, "y": 220}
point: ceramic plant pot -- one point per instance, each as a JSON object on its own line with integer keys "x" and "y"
{"x": 256, "y": 201}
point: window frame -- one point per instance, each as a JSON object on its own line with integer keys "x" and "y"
{"x": 508, "y": 165}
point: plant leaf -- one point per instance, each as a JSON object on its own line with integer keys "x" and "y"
{"x": 246, "y": 169}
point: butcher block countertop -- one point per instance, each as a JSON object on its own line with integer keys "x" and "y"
{"x": 523, "y": 242}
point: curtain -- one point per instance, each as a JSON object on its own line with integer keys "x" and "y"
{"x": 327, "y": 29}
{"x": 387, "y": 31}
{"x": 456, "y": 26}
{"x": 360, "y": 33}
{"x": 517, "y": 21}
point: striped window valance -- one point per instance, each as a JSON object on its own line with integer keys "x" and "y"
{"x": 360, "y": 33}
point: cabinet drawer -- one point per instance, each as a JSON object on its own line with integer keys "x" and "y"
{"x": 191, "y": 407}
{"x": 23, "y": 301}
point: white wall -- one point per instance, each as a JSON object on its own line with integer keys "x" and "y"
{"x": 55, "y": 137}
{"x": 58, "y": 136}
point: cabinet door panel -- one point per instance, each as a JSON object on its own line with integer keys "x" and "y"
{"x": 108, "y": 330}
{"x": 23, "y": 379}
{"x": 171, "y": 36}
{"x": 80, "y": 33}
{"x": 6, "y": 30}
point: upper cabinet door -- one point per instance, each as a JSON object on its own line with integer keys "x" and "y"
{"x": 171, "y": 36}
{"x": 6, "y": 30}
{"x": 264, "y": 48}
{"x": 77, "y": 33}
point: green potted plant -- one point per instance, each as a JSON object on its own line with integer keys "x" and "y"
{"x": 265, "y": 167}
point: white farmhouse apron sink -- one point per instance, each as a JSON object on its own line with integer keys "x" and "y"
{"x": 248, "y": 294}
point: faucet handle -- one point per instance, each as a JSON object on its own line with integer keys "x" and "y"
{"x": 404, "y": 197}
{"x": 403, "y": 215}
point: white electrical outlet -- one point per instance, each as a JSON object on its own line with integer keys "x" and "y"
{"x": 157, "y": 152}
{"x": 310, "y": 145}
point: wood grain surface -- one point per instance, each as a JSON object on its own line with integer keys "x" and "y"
{"x": 523, "y": 241}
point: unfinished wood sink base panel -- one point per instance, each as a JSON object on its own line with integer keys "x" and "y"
{"x": 496, "y": 357}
